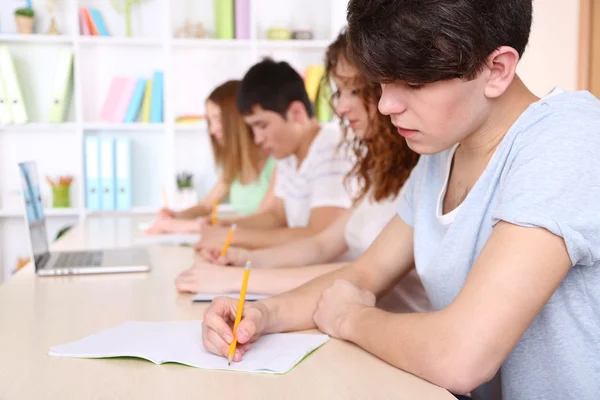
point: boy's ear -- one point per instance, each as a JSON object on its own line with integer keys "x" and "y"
{"x": 502, "y": 66}
{"x": 296, "y": 112}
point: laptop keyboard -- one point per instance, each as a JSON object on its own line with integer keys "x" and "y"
{"x": 92, "y": 258}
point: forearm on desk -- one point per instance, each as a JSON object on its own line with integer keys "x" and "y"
{"x": 307, "y": 251}
{"x": 294, "y": 310}
{"x": 199, "y": 210}
{"x": 265, "y": 238}
{"x": 263, "y": 220}
{"x": 427, "y": 345}
{"x": 277, "y": 281}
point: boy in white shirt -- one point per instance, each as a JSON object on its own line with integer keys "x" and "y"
{"x": 309, "y": 188}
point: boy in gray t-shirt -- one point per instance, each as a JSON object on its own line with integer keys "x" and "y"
{"x": 501, "y": 216}
{"x": 543, "y": 174}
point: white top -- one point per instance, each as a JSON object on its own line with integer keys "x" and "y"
{"x": 318, "y": 182}
{"x": 364, "y": 225}
{"x": 446, "y": 219}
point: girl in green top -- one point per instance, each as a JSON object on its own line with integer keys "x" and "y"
{"x": 246, "y": 170}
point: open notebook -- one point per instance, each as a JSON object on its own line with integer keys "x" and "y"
{"x": 181, "y": 342}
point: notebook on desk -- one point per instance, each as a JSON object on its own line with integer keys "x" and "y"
{"x": 47, "y": 262}
{"x": 181, "y": 342}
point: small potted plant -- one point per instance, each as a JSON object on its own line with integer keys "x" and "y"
{"x": 24, "y": 19}
{"x": 186, "y": 194}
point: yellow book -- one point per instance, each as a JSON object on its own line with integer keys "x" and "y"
{"x": 147, "y": 101}
{"x": 312, "y": 80}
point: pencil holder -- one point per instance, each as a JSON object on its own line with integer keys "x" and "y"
{"x": 60, "y": 196}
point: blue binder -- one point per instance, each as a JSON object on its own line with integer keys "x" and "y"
{"x": 156, "y": 106}
{"x": 98, "y": 21}
{"x": 136, "y": 101}
{"x": 107, "y": 173}
{"x": 92, "y": 172}
{"x": 123, "y": 173}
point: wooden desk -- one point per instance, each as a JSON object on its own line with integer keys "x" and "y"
{"x": 37, "y": 313}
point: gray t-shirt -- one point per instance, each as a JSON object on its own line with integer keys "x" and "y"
{"x": 545, "y": 173}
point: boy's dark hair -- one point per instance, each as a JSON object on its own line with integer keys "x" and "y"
{"x": 273, "y": 86}
{"x": 431, "y": 40}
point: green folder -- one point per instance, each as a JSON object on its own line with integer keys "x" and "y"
{"x": 62, "y": 85}
{"x": 323, "y": 109}
{"x": 224, "y": 19}
{"x": 12, "y": 87}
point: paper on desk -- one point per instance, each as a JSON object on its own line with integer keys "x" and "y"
{"x": 169, "y": 239}
{"x": 210, "y": 296}
{"x": 181, "y": 342}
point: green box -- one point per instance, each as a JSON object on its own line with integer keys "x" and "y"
{"x": 60, "y": 196}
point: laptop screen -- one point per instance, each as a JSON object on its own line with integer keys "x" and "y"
{"x": 34, "y": 212}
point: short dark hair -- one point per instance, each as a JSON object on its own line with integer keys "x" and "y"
{"x": 273, "y": 86}
{"x": 431, "y": 40}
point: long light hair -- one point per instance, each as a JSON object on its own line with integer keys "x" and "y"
{"x": 238, "y": 156}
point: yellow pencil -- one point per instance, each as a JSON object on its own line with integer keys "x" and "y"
{"x": 238, "y": 313}
{"x": 214, "y": 212}
{"x": 228, "y": 240}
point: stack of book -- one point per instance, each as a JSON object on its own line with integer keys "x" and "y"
{"x": 131, "y": 99}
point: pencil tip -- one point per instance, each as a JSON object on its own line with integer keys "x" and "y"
{"x": 229, "y": 363}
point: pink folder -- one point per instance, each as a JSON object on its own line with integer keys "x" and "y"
{"x": 83, "y": 23}
{"x": 117, "y": 99}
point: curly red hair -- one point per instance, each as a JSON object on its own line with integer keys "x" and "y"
{"x": 383, "y": 159}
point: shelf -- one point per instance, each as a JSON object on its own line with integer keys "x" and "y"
{"x": 120, "y": 41}
{"x": 41, "y": 126}
{"x": 48, "y": 212}
{"x": 230, "y": 43}
{"x": 293, "y": 44}
{"x": 132, "y": 211}
{"x": 135, "y": 127}
{"x": 36, "y": 38}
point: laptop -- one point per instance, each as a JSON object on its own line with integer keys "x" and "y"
{"x": 49, "y": 263}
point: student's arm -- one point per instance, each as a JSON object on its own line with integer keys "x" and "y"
{"x": 320, "y": 218}
{"x": 209, "y": 278}
{"x": 217, "y": 194}
{"x": 272, "y": 216}
{"x": 381, "y": 266}
{"x": 463, "y": 346}
{"x": 321, "y": 248}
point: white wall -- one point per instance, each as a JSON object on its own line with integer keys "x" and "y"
{"x": 551, "y": 57}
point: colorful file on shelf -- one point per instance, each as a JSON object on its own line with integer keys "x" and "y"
{"x": 224, "y": 19}
{"x": 107, "y": 173}
{"x": 98, "y": 21}
{"x": 156, "y": 106}
{"x": 117, "y": 99}
{"x": 145, "y": 117}
{"x": 136, "y": 101}
{"x": 84, "y": 26}
{"x": 92, "y": 172}
{"x": 242, "y": 19}
{"x": 90, "y": 22}
{"x": 123, "y": 173}
{"x": 124, "y": 99}
{"x": 61, "y": 86}
{"x": 112, "y": 99}
{"x": 12, "y": 87}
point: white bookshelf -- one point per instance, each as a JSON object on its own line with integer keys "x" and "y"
{"x": 192, "y": 68}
